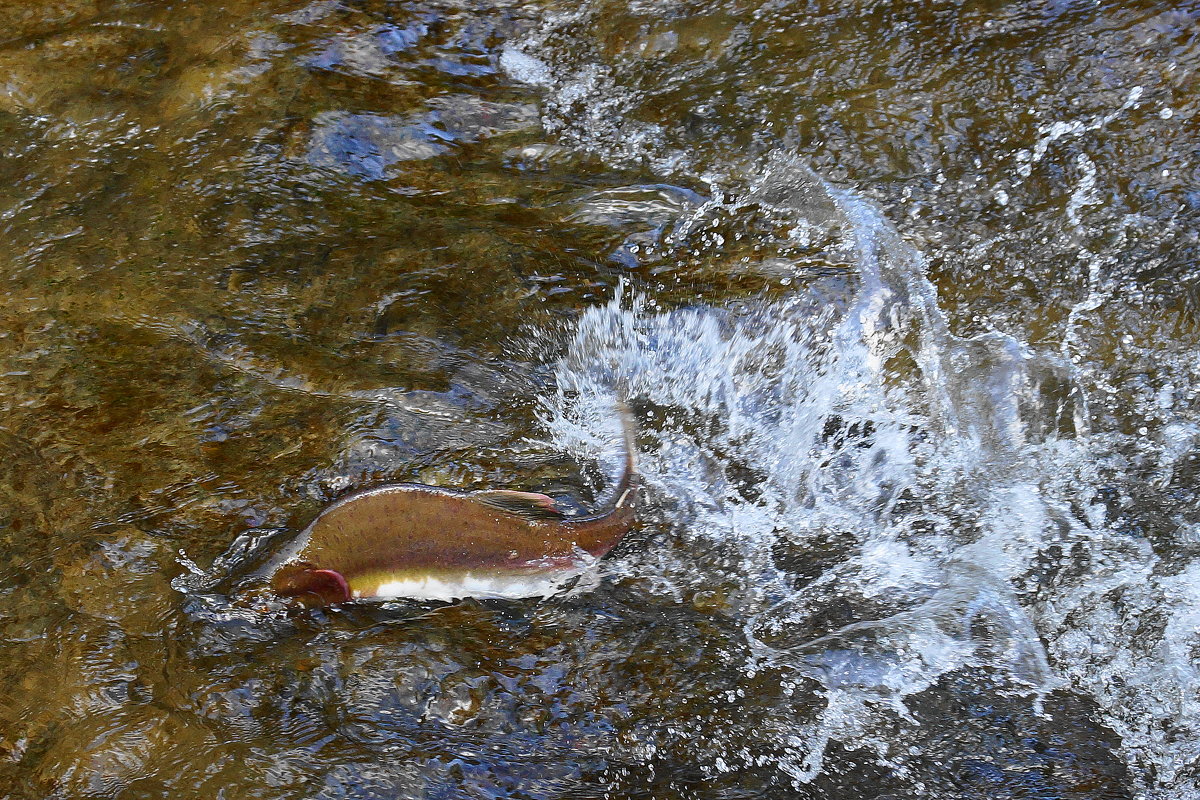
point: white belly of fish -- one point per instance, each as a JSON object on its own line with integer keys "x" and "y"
{"x": 483, "y": 586}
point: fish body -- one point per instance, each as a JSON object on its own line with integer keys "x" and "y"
{"x": 422, "y": 542}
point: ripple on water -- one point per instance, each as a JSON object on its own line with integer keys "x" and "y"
{"x": 919, "y": 446}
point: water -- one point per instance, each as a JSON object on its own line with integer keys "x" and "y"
{"x": 903, "y": 297}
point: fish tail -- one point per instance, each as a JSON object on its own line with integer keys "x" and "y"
{"x": 599, "y": 534}
{"x": 627, "y": 485}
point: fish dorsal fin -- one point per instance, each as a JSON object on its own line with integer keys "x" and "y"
{"x": 529, "y": 505}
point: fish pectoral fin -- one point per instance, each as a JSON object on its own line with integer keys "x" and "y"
{"x": 529, "y": 505}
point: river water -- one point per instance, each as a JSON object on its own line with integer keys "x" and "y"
{"x": 904, "y": 296}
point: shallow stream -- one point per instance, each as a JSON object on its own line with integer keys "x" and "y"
{"x": 904, "y": 295}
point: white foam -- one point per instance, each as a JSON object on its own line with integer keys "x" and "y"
{"x": 972, "y": 495}
{"x": 524, "y": 68}
{"x": 760, "y": 388}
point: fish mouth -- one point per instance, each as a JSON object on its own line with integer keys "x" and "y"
{"x": 312, "y": 585}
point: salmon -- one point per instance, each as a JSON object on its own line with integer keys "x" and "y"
{"x": 421, "y": 542}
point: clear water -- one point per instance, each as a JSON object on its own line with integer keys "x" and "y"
{"x": 903, "y": 296}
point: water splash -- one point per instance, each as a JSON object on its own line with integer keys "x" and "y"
{"x": 944, "y": 492}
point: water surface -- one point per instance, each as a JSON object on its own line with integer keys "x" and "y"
{"x": 904, "y": 295}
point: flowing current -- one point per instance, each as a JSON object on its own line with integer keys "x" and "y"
{"x": 904, "y": 296}
{"x": 955, "y": 479}
{"x": 892, "y": 506}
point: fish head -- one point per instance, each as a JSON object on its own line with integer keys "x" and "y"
{"x": 310, "y": 585}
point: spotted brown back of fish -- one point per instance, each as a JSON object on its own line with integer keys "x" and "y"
{"x": 414, "y": 528}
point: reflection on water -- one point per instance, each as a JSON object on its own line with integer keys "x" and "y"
{"x": 903, "y": 294}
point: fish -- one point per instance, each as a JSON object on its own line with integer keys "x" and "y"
{"x": 409, "y": 540}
